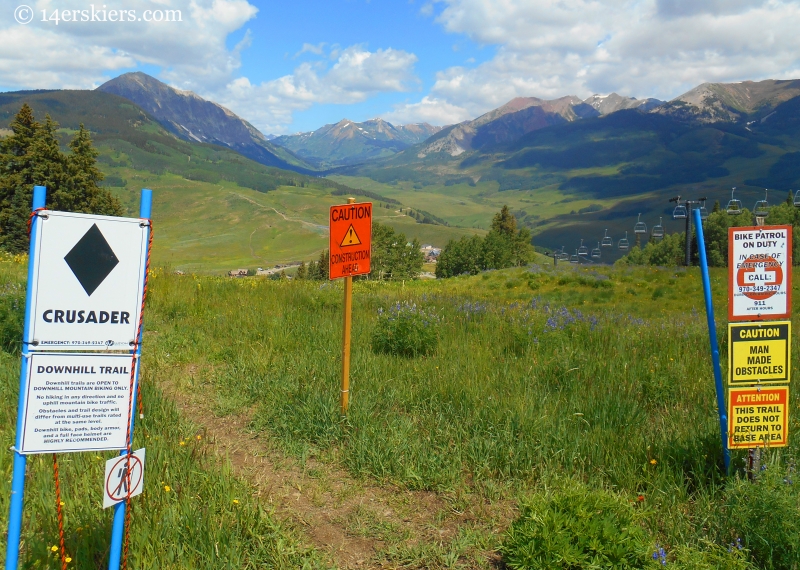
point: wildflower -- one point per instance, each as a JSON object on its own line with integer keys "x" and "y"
{"x": 62, "y": 503}
{"x": 68, "y": 559}
{"x": 167, "y": 488}
{"x": 653, "y": 462}
{"x": 199, "y": 437}
{"x": 640, "y": 498}
{"x": 183, "y": 442}
{"x": 54, "y": 548}
{"x": 236, "y": 501}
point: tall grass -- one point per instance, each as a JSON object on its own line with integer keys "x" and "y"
{"x": 538, "y": 378}
{"x": 519, "y": 394}
{"x": 192, "y": 513}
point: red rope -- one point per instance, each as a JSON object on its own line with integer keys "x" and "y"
{"x": 33, "y": 215}
{"x": 60, "y": 515}
{"x": 128, "y": 438}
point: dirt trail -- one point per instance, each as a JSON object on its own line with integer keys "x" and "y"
{"x": 351, "y": 520}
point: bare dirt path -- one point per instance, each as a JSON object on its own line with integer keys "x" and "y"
{"x": 357, "y": 523}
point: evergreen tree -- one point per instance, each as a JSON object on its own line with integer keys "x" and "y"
{"x": 504, "y": 222}
{"x": 83, "y": 193}
{"x": 30, "y": 157}
{"x": 17, "y": 180}
{"x": 302, "y": 271}
{"x": 323, "y": 266}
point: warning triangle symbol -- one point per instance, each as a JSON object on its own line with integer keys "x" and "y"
{"x": 350, "y": 237}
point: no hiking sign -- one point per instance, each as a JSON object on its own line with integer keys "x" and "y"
{"x": 760, "y": 273}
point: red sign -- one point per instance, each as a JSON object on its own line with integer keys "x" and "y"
{"x": 351, "y": 240}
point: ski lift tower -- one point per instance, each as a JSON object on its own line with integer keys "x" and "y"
{"x": 684, "y": 211}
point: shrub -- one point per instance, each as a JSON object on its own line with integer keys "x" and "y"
{"x": 405, "y": 330}
{"x": 575, "y": 529}
{"x": 766, "y": 515}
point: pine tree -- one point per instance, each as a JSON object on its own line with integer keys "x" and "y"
{"x": 302, "y": 271}
{"x": 504, "y": 222}
{"x": 83, "y": 193}
{"x": 16, "y": 180}
{"x": 31, "y": 156}
{"x": 323, "y": 265}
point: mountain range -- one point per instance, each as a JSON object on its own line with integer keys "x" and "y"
{"x": 347, "y": 142}
{"x": 613, "y": 156}
{"x": 523, "y": 115}
{"x": 192, "y": 118}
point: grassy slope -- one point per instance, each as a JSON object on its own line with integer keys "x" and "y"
{"x": 214, "y": 209}
{"x": 519, "y": 398}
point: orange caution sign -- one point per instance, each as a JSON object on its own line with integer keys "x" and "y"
{"x": 758, "y": 417}
{"x": 351, "y": 240}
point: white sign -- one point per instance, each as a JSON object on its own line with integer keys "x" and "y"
{"x": 76, "y": 402}
{"x": 88, "y": 279}
{"x": 124, "y": 478}
{"x": 759, "y": 273}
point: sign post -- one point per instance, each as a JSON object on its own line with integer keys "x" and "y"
{"x": 759, "y": 352}
{"x": 86, "y": 283}
{"x": 712, "y": 337}
{"x": 118, "y": 528}
{"x": 350, "y": 254}
{"x": 18, "y": 477}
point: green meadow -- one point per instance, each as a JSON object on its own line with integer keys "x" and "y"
{"x": 542, "y": 393}
{"x": 213, "y": 228}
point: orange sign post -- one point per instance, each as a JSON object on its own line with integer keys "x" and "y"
{"x": 350, "y": 254}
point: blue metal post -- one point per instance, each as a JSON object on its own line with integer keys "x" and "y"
{"x": 712, "y": 337}
{"x": 18, "y": 477}
{"x": 118, "y": 529}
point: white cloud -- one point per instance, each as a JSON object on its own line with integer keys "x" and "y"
{"x": 311, "y": 48}
{"x": 429, "y": 110}
{"x": 356, "y": 75}
{"x": 644, "y": 48}
{"x": 192, "y": 54}
{"x": 46, "y": 54}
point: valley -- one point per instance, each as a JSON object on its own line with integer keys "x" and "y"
{"x": 568, "y": 169}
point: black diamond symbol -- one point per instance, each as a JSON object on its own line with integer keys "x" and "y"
{"x": 91, "y": 260}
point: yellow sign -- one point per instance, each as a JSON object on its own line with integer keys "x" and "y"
{"x": 758, "y": 417}
{"x": 350, "y": 237}
{"x": 759, "y": 352}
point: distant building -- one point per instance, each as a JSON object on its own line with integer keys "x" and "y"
{"x": 430, "y": 252}
{"x": 237, "y": 273}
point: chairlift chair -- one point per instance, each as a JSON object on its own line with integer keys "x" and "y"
{"x": 761, "y": 209}
{"x": 703, "y": 210}
{"x": 623, "y": 243}
{"x": 658, "y": 229}
{"x": 607, "y": 241}
{"x": 563, "y": 256}
{"x": 640, "y": 227}
{"x": 735, "y": 206}
{"x": 596, "y": 252}
{"x": 679, "y": 213}
{"x": 583, "y": 251}
{"x": 797, "y": 199}
{"x": 575, "y": 258}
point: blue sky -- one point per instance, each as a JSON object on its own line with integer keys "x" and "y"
{"x": 281, "y": 29}
{"x": 295, "y": 65}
